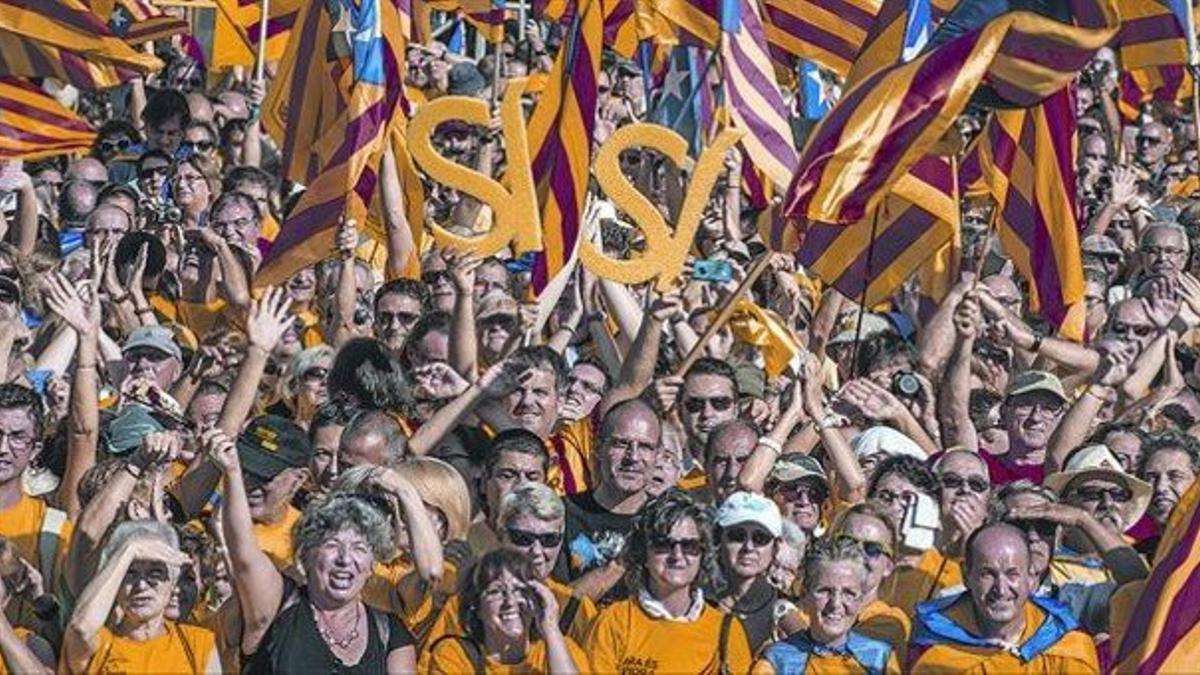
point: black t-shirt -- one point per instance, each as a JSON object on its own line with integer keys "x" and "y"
{"x": 594, "y": 536}
{"x": 293, "y": 644}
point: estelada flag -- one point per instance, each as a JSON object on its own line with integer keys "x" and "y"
{"x": 33, "y": 124}
{"x": 65, "y": 40}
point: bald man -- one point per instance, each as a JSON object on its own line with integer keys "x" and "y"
{"x": 996, "y": 625}
{"x": 108, "y": 223}
{"x": 728, "y": 448}
{"x": 88, "y": 169}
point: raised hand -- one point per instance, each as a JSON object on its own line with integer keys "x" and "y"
{"x": 462, "y": 266}
{"x": 221, "y": 450}
{"x": 157, "y": 448}
{"x": 1189, "y": 300}
{"x": 967, "y": 318}
{"x": 64, "y": 300}
{"x": 1115, "y": 363}
{"x": 346, "y": 240}
{"x": 872, "y": 401}
{"x": 269, "y": 319}
{"x": 438, "y": 381}
{"x": 143, "y": 547}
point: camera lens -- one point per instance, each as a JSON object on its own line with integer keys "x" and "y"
{"x": 906, "y": 385}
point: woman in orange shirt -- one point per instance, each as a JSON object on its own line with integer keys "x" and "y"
{"x": 139, "y": 568}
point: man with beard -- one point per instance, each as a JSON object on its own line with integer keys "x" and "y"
{"x": 1092, "y": 479}
{"x": 599, "y": 521}
{"x": 1171, "y": 463}
{"x": 996, "y": 625}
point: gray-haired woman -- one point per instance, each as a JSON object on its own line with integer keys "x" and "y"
{"x": 323, "y": 626}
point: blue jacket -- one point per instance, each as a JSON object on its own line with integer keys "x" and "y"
{"x": 933, "y": 627}
{"x": 790, "y": 656}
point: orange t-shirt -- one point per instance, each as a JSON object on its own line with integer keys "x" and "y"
{"x": 180, "y": 649}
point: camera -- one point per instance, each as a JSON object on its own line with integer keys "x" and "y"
{"x": 161, "y": 213}
{"x": 906, "y": 385}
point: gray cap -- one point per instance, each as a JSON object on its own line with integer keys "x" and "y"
{"x": 793, "y": 467}
{"x": 1099, "y": 244}
{"x": 1035, "y": 380}
{"x": 465, "y": 80}
{"x": 154, "y": 337}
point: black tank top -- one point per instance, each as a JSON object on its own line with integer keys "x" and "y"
{"x": 293, "y": 644}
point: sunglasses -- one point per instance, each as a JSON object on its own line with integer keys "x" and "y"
{"x": 315, "y": 374}
{"x": 1122, "y": 329}
{"x": 690, "y": 547}
{"x": 153, "y": 171}
{"x": 872, "y": 549}
{"x": 434, "y": 278}
{"x": 953, "y": 481}
{"x": 696, "y": 404}
{"x": 118, "y": 145}
{"x": 525, "y": 538}
{"x": 402, "y": 318}
{"x": 1118, "y": 495}
{"x": 740, "y": 535}
{"x": 194, "y": 146}
{"x": 1045, "y": 529}
{"x": 505, "y": 322}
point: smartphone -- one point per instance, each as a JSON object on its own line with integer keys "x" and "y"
{"x": 717, "y": 271}
{"x": 921, "y": 523}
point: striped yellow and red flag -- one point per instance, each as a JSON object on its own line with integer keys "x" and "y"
{"x": 896, "y": 116}
{"x": 562, "y": 126}
{"x": 33, "y": 124}
{"x": 1026, "y": 158}
{"x": 236, "y": 30}
{"x": 1152, "y": 45}
{"x": 65, "y": 40}
{"x": 138, "y": 21}
{"x": 1161, "y": 633}
{"x": 333, "y": 141}
{"x": 827, "y": 32}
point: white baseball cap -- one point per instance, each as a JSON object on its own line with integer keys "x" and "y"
{"x": 747, "y": 507}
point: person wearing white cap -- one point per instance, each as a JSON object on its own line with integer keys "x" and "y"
{"x": 749, "y": 530}
{"x": 1092, "y": 480}
{"x": 880, "y": 442}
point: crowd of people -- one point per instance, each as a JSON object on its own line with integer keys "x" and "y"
{"x": 361, "y": 472}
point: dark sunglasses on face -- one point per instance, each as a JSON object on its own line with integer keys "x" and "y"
{"x": 740, "y": 535}
{"x": 118, "y": 145}
{"x": 434, "y": 278}
{"x": 197, "y": 146}
{"x": 315, "y": 374}
{"x": 953, "y": 481}
{"x": 696, "y": 404}
{"x": 872, "y": 549}
{"x": 1045, "y": 529}
{"x": 1115, "y": 494}
{"x": 525, "y": 538}
{"x": 504, "y": 321}
{"x": 403, "y": 318}
{"x": 153, "y": 171}
{"x": 1122, "y": 329}
{"x": 690, "y": 547}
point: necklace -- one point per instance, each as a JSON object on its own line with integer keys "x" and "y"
{"x": 328, "y": 635}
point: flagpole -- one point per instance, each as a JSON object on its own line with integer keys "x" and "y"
{"x": 260, "y": 61}
{"x": 725, "y": 313}
{"x": 1193, "y": 65}
{"x": 862, "y": 299}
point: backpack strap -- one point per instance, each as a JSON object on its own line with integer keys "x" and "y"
{"x": 568, "y": 614}
{"x": 723, "y": 645}
{"x": 470, "y": 648}
{"x": 187, "y": 648}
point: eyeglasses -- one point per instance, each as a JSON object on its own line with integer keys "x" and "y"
{"x": 740, "y": 535}
{"x": 1163, "y": 251}
{"x": 504, "y": 322}
{"x": 1045, "y": 529}
{"x": 119, "y": 145}
{"x": 1115, "y": 494}
{"x": 524, "y": 538}
{"x": 872, "y": 549}
{"x": 153, "y": 171}
{"x": 691, "y": 548}
{"x": 17, "y": 441}
{"x": 402, "y": 318}
{"x": 499, "y": 593}
{"x": 590, "y": 388}
{"x": 315, "y": 374}
{"x": 1149, "y": 140}
{"x": 795, "y": 491}
{"x": 696, "y": 404}
{"x": 197, "y": 146}
{"x": 953, "y": 481}
{"x": 1044, "y": 407}
{"x": 889, "y": 498}
{"x": 436, "y": 277}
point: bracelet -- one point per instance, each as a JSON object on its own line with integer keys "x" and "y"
{"x": 1037, "y": 343}
{"x": 118, "y": 298}
{"x": 1109, "y": 397}
{"x": 133, "y": 470}
{"x": 771, "y": 444}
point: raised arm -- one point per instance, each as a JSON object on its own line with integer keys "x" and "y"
{"x": 954, "y": 396}
{"x": 852, "y": 483}
{"x": 440, "y": 381}
{"x": 25, "y": 234}
{"x": 936, "y": 338}
{"x": 558, "y": 655}
{"x": 258, "y": 584}
{"x": 638, "y": 369}
{"x": 347, "y": 287}
{"x": 464, "y": 345}
{"x": 401, "y": 248}
{"x": 1076, "y": 424}
{"x": 753, "y": 475}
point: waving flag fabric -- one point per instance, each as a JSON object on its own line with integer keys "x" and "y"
{"x": 753, "y": 99}
{"x": 1162, "y": 633}
{"x": 65, "y": 40}
{"x": 235, "y": 33}
{"x": 898, "y": 115}
{"x": 339, "y": 86}
{"x": 138, "y": 21}
{"x": 34, "y": 125}
{"x": 1027, "y": 160}
{"x": 1153, "y": 54}
{"x": 827, "y": 32}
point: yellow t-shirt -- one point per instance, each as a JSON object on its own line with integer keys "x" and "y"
{"x": 180, "y": 649}
{"x": 625, "y": 639}
{"x": 448, "y": 622}
{"x": 275, "y": 539}
{"x": 1073, "y": 654}
{"x": 911, "y": 585}
{"x": 450, "y": 656}
{"x": 22, "y": 525}
{"x": 381, "y": 593}
{"x": 885, "y": 622}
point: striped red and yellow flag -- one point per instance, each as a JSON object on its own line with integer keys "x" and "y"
{"x": 1161, "y": 633}
{"x": 34, "y": 125}
{"x": 138, "y": 21}
{"x": 358, "y": 46}
{"x": 486, "y": 16}
{"x": 871, "y": 258}
{"x": 65, "y": 40}
{"x": 698, "y": 21}
{"x": 1152, "y": 46}
{"x": 827, "y": 32}
{"x": 1026, "y": 158}
{"x": 236, "y": 30}
{"x": 753, "y": 98}
{"x": 899, "y": 114}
